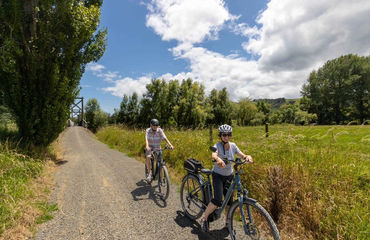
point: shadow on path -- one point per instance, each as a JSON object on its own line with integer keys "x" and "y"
{"x": 183, "y": 221}
{"x": 60, "y": 162}
{"x": 144, "y": 189}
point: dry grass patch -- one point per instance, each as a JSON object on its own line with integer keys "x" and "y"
{"x": 32, "y": 208}
{"x": 24, "y": 226}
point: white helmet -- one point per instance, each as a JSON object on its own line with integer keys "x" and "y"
{"x": 225, "y": 129}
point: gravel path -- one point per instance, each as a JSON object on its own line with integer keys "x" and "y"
{"x": 101, "y": 194}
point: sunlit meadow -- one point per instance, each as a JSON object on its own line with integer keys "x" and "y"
{"x": 314, "y": 180}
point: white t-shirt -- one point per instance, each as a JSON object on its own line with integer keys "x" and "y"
{"x": 229, "y": 154}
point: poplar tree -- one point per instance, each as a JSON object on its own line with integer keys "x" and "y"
{"x": 45, "y": 45}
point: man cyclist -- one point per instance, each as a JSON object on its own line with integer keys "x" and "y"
{"x": 222, "y": 172}
{"x": 153, "y": 137}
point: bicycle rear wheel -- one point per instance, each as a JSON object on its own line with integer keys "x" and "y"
{"x": 163, "y": 182}
{"x": 259, "y": 223}
{"x": 192, "y": 196}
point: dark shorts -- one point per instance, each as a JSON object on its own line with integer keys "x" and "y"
{"x": 220, "y": 186}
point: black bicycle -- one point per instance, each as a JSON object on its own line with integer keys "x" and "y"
{"x": 159, "y": 172}
{"x": 247, "y": 219}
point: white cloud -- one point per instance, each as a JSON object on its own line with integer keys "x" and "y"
{"x": 189, "y": 21}
{"x": 128, "y": 86}
{"x": 109, "y": 76}
{"x": 293, "y": 38}
{"x": 298, "y": 35}
{"x": 94, "y": 67}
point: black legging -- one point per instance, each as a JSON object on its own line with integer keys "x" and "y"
{"x": 220, "y": 186}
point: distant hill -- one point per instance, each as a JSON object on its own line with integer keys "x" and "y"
{"x": 277, "y": 102}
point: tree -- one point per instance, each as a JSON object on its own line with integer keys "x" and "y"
{"x": 276, "y": 117}
{"x": 45, "y": 46}
{"x": 153, "y": 104}
{"x": 191, "y": 108}
{"x": 264, "y": 108}
{"x": 259, "y": 119}
{"x": 95, "y": 117}
{"x": 246, "y": 113}
{"x": 220, "y": 106}
{"x": 304, "y": 118}
{"x": 172, "y": 102}
{"x": 133, "y": 109}
{"x": 338, "y": 92}
{"x": 288, "y": 112}
{"x": 113, "y": 118}
{"x": 123, "y": 111}
{"x": 360, "y": 89}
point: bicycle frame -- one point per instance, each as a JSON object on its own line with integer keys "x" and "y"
{"x": 234, "y": 186}
{"x": 157, "y": 159}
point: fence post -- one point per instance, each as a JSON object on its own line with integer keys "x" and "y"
{"x": 267, "y": 129}
{"x": 211, "y": 133}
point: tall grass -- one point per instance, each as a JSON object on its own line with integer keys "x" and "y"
{"x": 22, "y": 202}
{"x": 314, "y": 180}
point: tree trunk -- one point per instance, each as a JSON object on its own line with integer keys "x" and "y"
{"x": 30, "y": 21}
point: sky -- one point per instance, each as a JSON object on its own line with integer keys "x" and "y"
{"x": 254, "y": 48}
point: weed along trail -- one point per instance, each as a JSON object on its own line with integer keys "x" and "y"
{"x": 101, "y": 194}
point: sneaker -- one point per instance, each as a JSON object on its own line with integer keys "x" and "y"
{"x": 149, "y": 177}
{"x": 205, "y": 225}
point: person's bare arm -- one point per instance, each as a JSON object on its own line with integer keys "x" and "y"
{"x": 168, "y": 142}
{"x": 219, "y": 161}
{"x": 248, "y": 157}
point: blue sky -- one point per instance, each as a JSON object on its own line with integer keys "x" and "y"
{"x": 257, "y": 49}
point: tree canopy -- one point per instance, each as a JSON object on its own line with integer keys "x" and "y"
{"x": 338, "y": 92}
{"x": 45, "y": 45}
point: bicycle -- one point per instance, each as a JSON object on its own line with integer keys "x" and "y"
{"x": 247, "y": 219}
{"x": 159, "y": 172}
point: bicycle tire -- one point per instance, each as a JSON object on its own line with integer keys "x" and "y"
{"x": 188, "y": 202}
{"x": 163, "y": 182}
{"x": 262, "y": 227}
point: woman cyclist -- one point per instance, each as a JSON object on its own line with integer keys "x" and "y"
{"x": 153, "y": 137}
{"x": 222, "y": 172}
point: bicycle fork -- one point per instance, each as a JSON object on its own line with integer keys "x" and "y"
{"x": 241, "y": 200}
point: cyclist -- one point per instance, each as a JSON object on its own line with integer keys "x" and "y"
{"x": 153, "y": 137}
{"x": 222, "y": 172}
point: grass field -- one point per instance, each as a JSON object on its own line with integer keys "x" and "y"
{"x": 23, "y": 188}
{"x": 314, "y": 180}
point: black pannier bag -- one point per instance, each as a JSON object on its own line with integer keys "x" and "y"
{"x": 192, "y": 165}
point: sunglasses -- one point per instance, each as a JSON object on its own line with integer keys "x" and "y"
{"x": 226, "y": 134}
{"x": 155, "y": 125}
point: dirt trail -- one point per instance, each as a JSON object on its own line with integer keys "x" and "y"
{"x": 101, "y": 194}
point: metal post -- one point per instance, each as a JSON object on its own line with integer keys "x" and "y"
{"x": 82, "y": 103}
{"x": 267, "y": 129}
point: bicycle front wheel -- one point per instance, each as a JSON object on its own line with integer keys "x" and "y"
{"x": 163, "y": 183}
{"x": 259, "y": 224}
{"x": 192, "y": 196}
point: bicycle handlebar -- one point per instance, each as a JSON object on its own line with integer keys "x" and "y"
{"x": 237, "y": 161}
{"x": 161, "y": 149}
